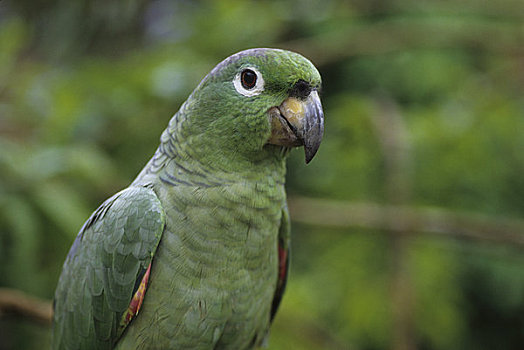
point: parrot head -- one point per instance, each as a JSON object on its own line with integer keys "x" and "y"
{"x": 260, "y": 101}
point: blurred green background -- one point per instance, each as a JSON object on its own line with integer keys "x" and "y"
{"x": 408, "y": 230}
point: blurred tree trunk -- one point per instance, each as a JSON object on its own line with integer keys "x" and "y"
{"x": 394, "y": 140}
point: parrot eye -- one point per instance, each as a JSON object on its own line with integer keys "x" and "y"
{"x": 249, "y": 82}
{"x": 249, "y": 79}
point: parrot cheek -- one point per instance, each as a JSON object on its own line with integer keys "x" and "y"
{"x": 281, "y": 131}
{"x": 298, "y": 122}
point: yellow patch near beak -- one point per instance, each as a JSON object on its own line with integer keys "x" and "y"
{"x": 298, "y": 122}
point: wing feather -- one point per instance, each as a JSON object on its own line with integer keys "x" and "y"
{"x": 104, "y": 268}
{"x": 284, "y": 236}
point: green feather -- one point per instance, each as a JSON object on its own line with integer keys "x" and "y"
{"x": 209, "y": 210}
{"x": 97, "y": 281}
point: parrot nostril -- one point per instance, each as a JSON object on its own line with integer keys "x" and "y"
{"x": 302, "y": 89}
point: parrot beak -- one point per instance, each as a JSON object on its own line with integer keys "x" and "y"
{"x": 297, "y": 122}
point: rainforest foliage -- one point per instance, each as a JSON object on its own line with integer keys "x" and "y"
{"x": 424, "y": 110}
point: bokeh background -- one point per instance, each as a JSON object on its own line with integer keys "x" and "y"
{"x": 408, "y": 227}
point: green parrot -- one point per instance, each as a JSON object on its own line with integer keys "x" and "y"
{"x": 194, "y": 253}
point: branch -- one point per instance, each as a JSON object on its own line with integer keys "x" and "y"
{"x": 400, "y": 219}
{"x": 342, "y": 214}
{"x": 19, "y": 303}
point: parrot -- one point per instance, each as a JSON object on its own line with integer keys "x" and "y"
{"x": 194, "y": 254}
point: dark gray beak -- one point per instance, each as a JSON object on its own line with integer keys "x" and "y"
{"x": 297, "y": 122}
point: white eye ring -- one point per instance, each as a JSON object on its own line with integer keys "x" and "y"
{"x": 255, "y": 90}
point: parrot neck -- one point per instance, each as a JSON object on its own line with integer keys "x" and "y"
{"x": 179, "y": 163}
{"x": 214, "y": 152}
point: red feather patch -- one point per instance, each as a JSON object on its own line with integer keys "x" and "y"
{"x": 283, "y": 260}
{"x": 282, "y": 263}
{"x": 136, "y": 301}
